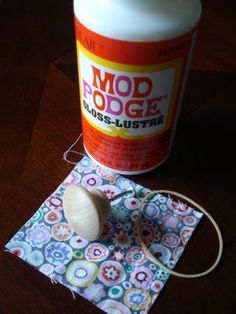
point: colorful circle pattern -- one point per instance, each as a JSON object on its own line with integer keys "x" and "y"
{"x": 137, "y": 299}
{"x": 52, "y": 217}
{"x": 58, "y": 253}
{"x": 81, "y": 273}
{"x": 136, "y": 256}
{"x": 115, "y": 292}
{"x": 111, "y": 273}
{"x": 96, "y": 252}
{"x": 62, "y": 231}
{"x": 150, "y": 210}
{"x": 91, "y": 181}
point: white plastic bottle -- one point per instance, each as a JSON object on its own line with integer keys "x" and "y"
{"x": 133, "y": 57}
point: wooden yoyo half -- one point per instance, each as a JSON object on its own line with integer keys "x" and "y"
{"x": 87, "y": 210}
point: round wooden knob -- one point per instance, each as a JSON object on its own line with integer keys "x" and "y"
{"x": 86, "y": 211}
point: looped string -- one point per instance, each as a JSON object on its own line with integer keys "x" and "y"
{"x": 197, "y": 206}
{"x": 70, "y": 150}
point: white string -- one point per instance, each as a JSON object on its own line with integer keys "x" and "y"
{"x": 70, "y": 150}
{"x": 53, "y": 280}
{"x": 197, "y": 206}
{"x": 7, "y": 250}
{"x": 73, "y": 294}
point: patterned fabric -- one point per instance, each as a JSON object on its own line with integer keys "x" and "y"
{"x": 114, "y": 273}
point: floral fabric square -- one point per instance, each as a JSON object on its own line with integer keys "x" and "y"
{"x": 113, "y": 273}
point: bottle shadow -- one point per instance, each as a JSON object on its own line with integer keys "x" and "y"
{"x": 206, "y": 133}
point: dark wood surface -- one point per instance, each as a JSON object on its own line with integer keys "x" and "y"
{"x": 39, "y": 119}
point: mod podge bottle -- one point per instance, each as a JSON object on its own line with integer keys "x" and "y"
{"x": 133, "y": 58}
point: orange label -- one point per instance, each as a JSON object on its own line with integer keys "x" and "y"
{"x": 129, "y": 97}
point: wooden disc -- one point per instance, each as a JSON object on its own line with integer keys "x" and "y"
{"x": 86, "y": 211}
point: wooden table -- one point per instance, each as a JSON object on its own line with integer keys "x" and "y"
{"x": 39, "y": 119}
